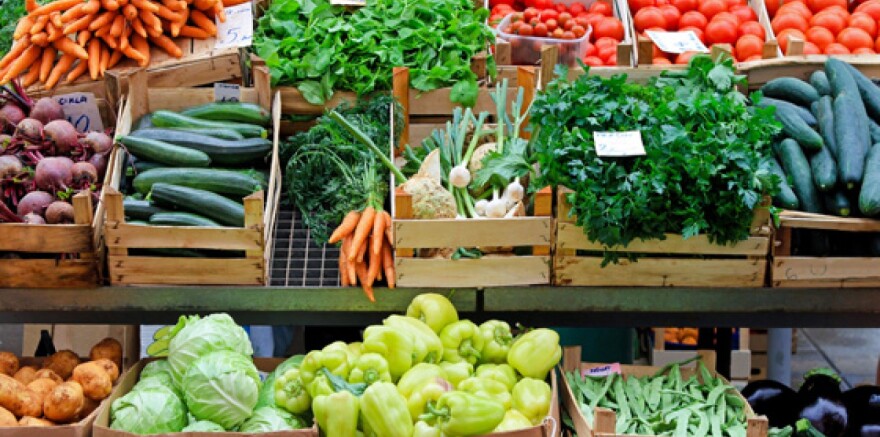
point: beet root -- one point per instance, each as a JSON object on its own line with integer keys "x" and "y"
{"x": 99, "y": 142}
{"x": 54, "y": 174}
{"x": 62, "y": 135}
{"x": 10, "y": 116}
{"x": 46, "y": 110}
{"x": 9, "y": 166}
{"x": 30, "y": 129}
{"x": 59, "y": 212}
{"x": 34, "y": 219}
{"x": 99, "y": 160}
{"x": 34, "y": 202}
{"x": 84, "y": 174}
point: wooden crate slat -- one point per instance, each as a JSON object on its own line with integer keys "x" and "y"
{"x": 806, "y": 220}
{"x": 152, "y": 237}
{"x": 826, "y": 268}
{"x": 520, "y": 231}
{"x": 489, "y": 271}
{"x": 48, "y": 273}
{"x": 571, "y": 236}
{"x": 185, "y": 271}
{"x": 22, "y": 237}
{"x": 438, "y": 102}
{"x": 654, "y": 272}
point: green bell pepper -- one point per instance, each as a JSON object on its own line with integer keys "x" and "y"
{"x": 422, "y": 429}
{"x": 463, "y": 414}
{"x": 532, "y": 398}
{"x": 428, "y": 392}
{"x": 497, "y": 339}
{"x": 502, "y": 373}
{"x": 369, "y": 368}
{"x": 335, "y": 359}
{"x": 535, "y": 353}
{"x": 417, "y": 375}
{"x": 427, "y": 345}
{"x": 487, "y": 388}
{"x": 337, "y": 414}
{"x": 462, "y": 341}
{"x": 433, "y": 309}
{"x": 320, "y": 386}
{"x": 394, "y": 344}
{"x": 355, "y": 350}
{"x": 457, "y": 372}
{"x": 291, "y": 393}
{"x": 513, "y": 420}
{"x": 385, "y": 413}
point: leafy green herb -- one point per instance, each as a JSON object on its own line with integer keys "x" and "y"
{"x": 320, "y": 48}
{"x": 10, "y": 12}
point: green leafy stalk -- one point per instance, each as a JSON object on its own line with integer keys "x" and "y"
{"x": 365, "y": 140}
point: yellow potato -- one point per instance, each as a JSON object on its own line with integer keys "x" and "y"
{"x": 108, "y": 348}
{"x": 42, "y": 387}
{"x": 109, "y": 367}
{"x": 64, "y": 403}
{"x": 25, "y": 403}
{"x": 9, "y": 390}
{"x": 34, "y": 421}
{"x": 62, "y": 363}
{"x": 48, "y": 374}
{"x": 95, "y": 381}
{"x": 8, "y": 363}
{"x": 7, "y": 418}
{"x": 26, "y": 374}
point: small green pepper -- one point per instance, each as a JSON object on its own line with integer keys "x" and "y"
{"x": 417, "y": 375}
{"x": 428, "y": 392}
{"x": 433, "y": 309}
{"x": 385, "y": 412}
{"x": 457, "y": 372}
{"x": 532, "y": 398}
{"x": 463, "y": 414}
{"x": 502, "y": 373}
{"x": 513, "y": 420}
{"x": 395, "y": 344}
{"x": 337, "y": 414}
{"x": 462, "y": 341}
{"x": 487, "y": 388}
{"x": 422, "y": 429}
{"x": 496, "y": 341}
{"x": 291, "y": 393}
{"x": 369, "y": 368}
{"x": 320, "y": 386}
{"x": 535, "y": 353}
{"x": 336, "y": 360}
{"x": 427, "y": 345}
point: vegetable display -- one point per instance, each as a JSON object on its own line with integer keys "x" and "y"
{"x": 321, "y": 48}
{"x": 831, "y": 28}
{"x": 702, "y": 171}
{"x": 64, "y": 390}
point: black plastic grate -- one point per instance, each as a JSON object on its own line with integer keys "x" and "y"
{"x": 296, "y": 260}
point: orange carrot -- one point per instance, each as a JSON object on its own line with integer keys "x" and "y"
{"x": 122, "y": 3}
{"x": 387, "y": 231}
{"x": 365, "y": 224}
{"x": 199, "y": 19}
{"x": 23, "y": 27}
{"x": 374, "y": 266}
{"x": 57, "y": 5}
{"x": 46, "y": 63}
{"x": 54, "y": 32}
{"x": 146, "y": 5}
{"x": 204, "y": 5}
{"x": 167, "y": 14}
{"x": 66, "y": 45}
{"x": 123, "y": 39}
{"x": 104, "y": 62}
{"x": 346, "y": 227}
{"x": 116, "y": 27}
{"x": 115, "y": 57}
{"x": 55, "y": 18}
{"x": 103, "y": 20}
{"x": 78, "y": 71}
{"x": 81, "y": 23}
{"x": 94, "y": 58}
{"x": 130, "y": 12}
{"x": 61, "y": 67}
{"x": 141, "y": 45}
{"x": 174, "y": 5}
{"x": 31, "y": 6}
{"x": 378, "y": 233}
{"x": 133, "y": 53}
{"x": 112, "y": 42}
{"x": 220, "y": 12}
{"x": 41, "y": 39}
{"x": 362, "y": 251}
{"x": 231, "y": 3}
{"x": 194, "y": 32}
{"x": 165, "y": 43}
{"x": 39, "y": 24}
{"x": 110, "y": 5}
{"x": 349, "y": 266}
{"x": 138, "y": 26}
{"x": 31, "y": 77}
{"x": 73, "y": 13}
{"x": 343, "y": 267}
{"x": 83, "y": 37}
{"x": 388, "y": 265}
{"x": 20, "y": 64}
{"x": 361, "y": 269}
{"x": 92, "y": 7}
{"x": 17, "y": 49}
{"x": 150, "y": 20}
{"x": 104, "y": 31}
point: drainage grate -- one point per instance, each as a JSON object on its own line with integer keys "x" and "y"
{"x": 296, "y": 260}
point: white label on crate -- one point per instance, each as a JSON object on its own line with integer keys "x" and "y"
{"x": 348, "y": 2}
{"x": 618, "y": 144}
{"x": 677, "y": 42}
{"x": 81, "y": 110}
{"x": 238, "y": 30}
{"x": 227, "y": 92}
{"x": 608, "y": 369}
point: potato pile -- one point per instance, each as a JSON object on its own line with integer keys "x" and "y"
{"x": 62, "y": 391}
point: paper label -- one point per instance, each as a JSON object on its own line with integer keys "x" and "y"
{"x": 81, "y": 110}
{"x": 227, "y": 92}
{"x": 677, "y": 42}
{"x": 238, "y": 30}
{"x": 608, "y": 369}
{"x": 348, "y": 2}
{"x": 626, "y": 143}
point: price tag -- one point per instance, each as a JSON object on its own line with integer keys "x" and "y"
{"x": 617, "y": 144}
{"x": 608, "y": 369}
{"x": 677, "y": 42}
{"x": 81, "y": 110}
{"x": 348, "y": 2}
{"x": 227, "y": 92}
{"x": 238, "y": 30}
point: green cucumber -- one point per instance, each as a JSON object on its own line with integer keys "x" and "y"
{"x": 795, "y": 164}
{"x": 223, "y": 134}
{"x": 837, "y": 203}
{"x": 869, "y": 92}
{"x": 785, "y": 198}
{"x": 869, "y": 196}
{"x": 791, "y": 90}
{"x": 139, "y": 209}
{"x": 221, "y": 152}
{"x": 853, "y": 138}
{"x": 840, "y": 78}
{"x": 137, "y": 222}
{"x": 145, "y": 121}
{"x": 214, "y": 206}
{"x": 824, "y": 109}
{"x": 164, "y": 153}
{"x": 231, "y": 111}
{"x": 181, "y": 219}
{"x": 819, "y": 81}
{"x": 796, "y": 128}
{"x": 804, "y": 113}
{"x": 228, "y": 182}
{"x": 824, "y": 169}
{"x": 163, "y": 118}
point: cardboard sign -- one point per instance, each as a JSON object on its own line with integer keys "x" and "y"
{"x": 617, "y": 144}
{"x": 227, "y": 92}
{"x": 81, "y": 110}
{"x": 677, "y": 42}
{"x": 608, "y": 369}
{"x": 238, "y": 30}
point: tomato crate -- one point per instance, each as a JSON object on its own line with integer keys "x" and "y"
{"x": 794, "y": 268}
{"x": 675, "y": 261}
{"x": 605, "y": 420}
{"x": 254, "y": 239}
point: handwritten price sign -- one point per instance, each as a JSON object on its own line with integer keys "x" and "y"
{"x": 227, "y": 92}
{"x": 677, "y": 42}
{"x": 238, "y": 30}
{"x": 81, "y": 110}
{"x": 618, "y": 144}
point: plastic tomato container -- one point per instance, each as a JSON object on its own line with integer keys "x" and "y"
{"x": 526, "y": 50}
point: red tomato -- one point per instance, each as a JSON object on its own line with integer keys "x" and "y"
{"x": 649, "y": 17}
{"x": 501, "y": 10}
{"x": 728, "y": 17}
{"x": 672, "y": 15}
{"x": 751, "y": 28}
{"x": 578, "y": 31}
{"x": 582, "y": 21}
{"x": 569, "y": 25}
{"x": 711, "y": 7}
{"x": 685, "y": 5}
{"x": 549, "y": 14}
{"x": 493, "y": 3}
{"x": 590, "y": 49}
{"x": 612, "y": 60}
{"x": 693, "y": 19}
{"x": 561, "y": 8}
{"x": 637, "y": 5}
{"x": 744, "y": 13}
{"x": 607, "y": 51}
{"x": 525, "y": 30}
{"x": 564, "y": 17}
{"x": 552, "y": 25}
{"x": 543, "y": 4}
{"x": 577, "y": 9}
{"x": 593, "y": 61}
{"x": 721, "y": 32}
{"x": 685, "y": 57}
{"x": 558, "y": 33}
{"x": 605, "y": 42}
{"x": 610, "y": 27}
{"x": 540, "y": 29}
{"x": 661, "y": 61}
{"x": 567, "y": 35}
{"x": 530, "y": 13}
{"x": 602, "y": 7}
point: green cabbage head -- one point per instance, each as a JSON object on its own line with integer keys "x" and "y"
{"x": 154, "y": 409}
{"x": 268, "y": 419}
{"x": 203, "y": 426}
{"x": 222, "y": 387}
{"x": 202, "y": 336}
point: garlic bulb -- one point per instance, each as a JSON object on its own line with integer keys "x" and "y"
{"x": 514, "y": 191}
{"x": 459, "y": 176}
{"x": 480, "y": 206}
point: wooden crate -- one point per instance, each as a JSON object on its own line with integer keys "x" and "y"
{"x": 802, "y": 66}
{"x": 740, "y": 358}
{"x": 605, "y": 419}
{"x": 829, "y": 272}
{"x": 254, "y": 238}
{"x": 673, "y": 261}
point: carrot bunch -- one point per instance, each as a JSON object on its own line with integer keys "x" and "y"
{"x": 366, "y": 251}
{"x": 73, "y": 37}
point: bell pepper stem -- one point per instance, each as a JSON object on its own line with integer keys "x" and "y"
{"x": 467, "y": 349}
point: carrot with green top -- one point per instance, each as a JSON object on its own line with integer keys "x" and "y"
{"x": 365, "y": 224}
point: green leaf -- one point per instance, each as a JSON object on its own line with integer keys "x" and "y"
{"x": 313, "y": 92}
{"x": 465, "y": 92}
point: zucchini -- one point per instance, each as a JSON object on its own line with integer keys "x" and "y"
{"x": 852, "y": 136}
{"x": 824, "y": 109}
{"x": 824, "y": 169}
{"x": 223, "y": 134}
{"x": 796, "y": 166}
{"x": 785, "y": 198}
{"x": 231, "y": 111}
{"x": 791, "y": 90}
{"x": 221, "y": 152}
{"x": 214, "y": 206}
{"x": 137, "y": 222}
{"x": 837, "y": 203}
{"x": 139, "y": 209}
{"x": 136, "y": 166}
{"x": 869, "y": 196}
{"x": 181, "y": 219}
{"x": 819, "y": 81}
{"x": 796, "y": 128}
{"x": 163, "y": 118}
{"x": 164, "y": 153}
{"x": 804, "y": 113}
{"x": 232, "y": 183}
{"x": 840, "y": 78}
{"x": 145, "y": 121}
{"x": 869, "y": 92}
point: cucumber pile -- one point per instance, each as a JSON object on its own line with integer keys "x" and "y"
{"x": 193, "y": 168}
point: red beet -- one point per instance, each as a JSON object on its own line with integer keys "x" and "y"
{"x": 9, "y": 166}
{"x": 99, "y": 142}
{"x": 34, "y": 202}
{"x": 46, "y": 110}
{"x": 84, "y": 174}
{"x": 62, "y": 134}
{"x": 54, "y": 174}
{"x": 59, "y": 212}
{"x": 10, "y": 116}
{"x": 30, "y": 128}
{"x": 99, "y": 160}
{"x": 34, "y": 219}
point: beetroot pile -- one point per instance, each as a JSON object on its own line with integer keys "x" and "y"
{"x": 44, "y": 161}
